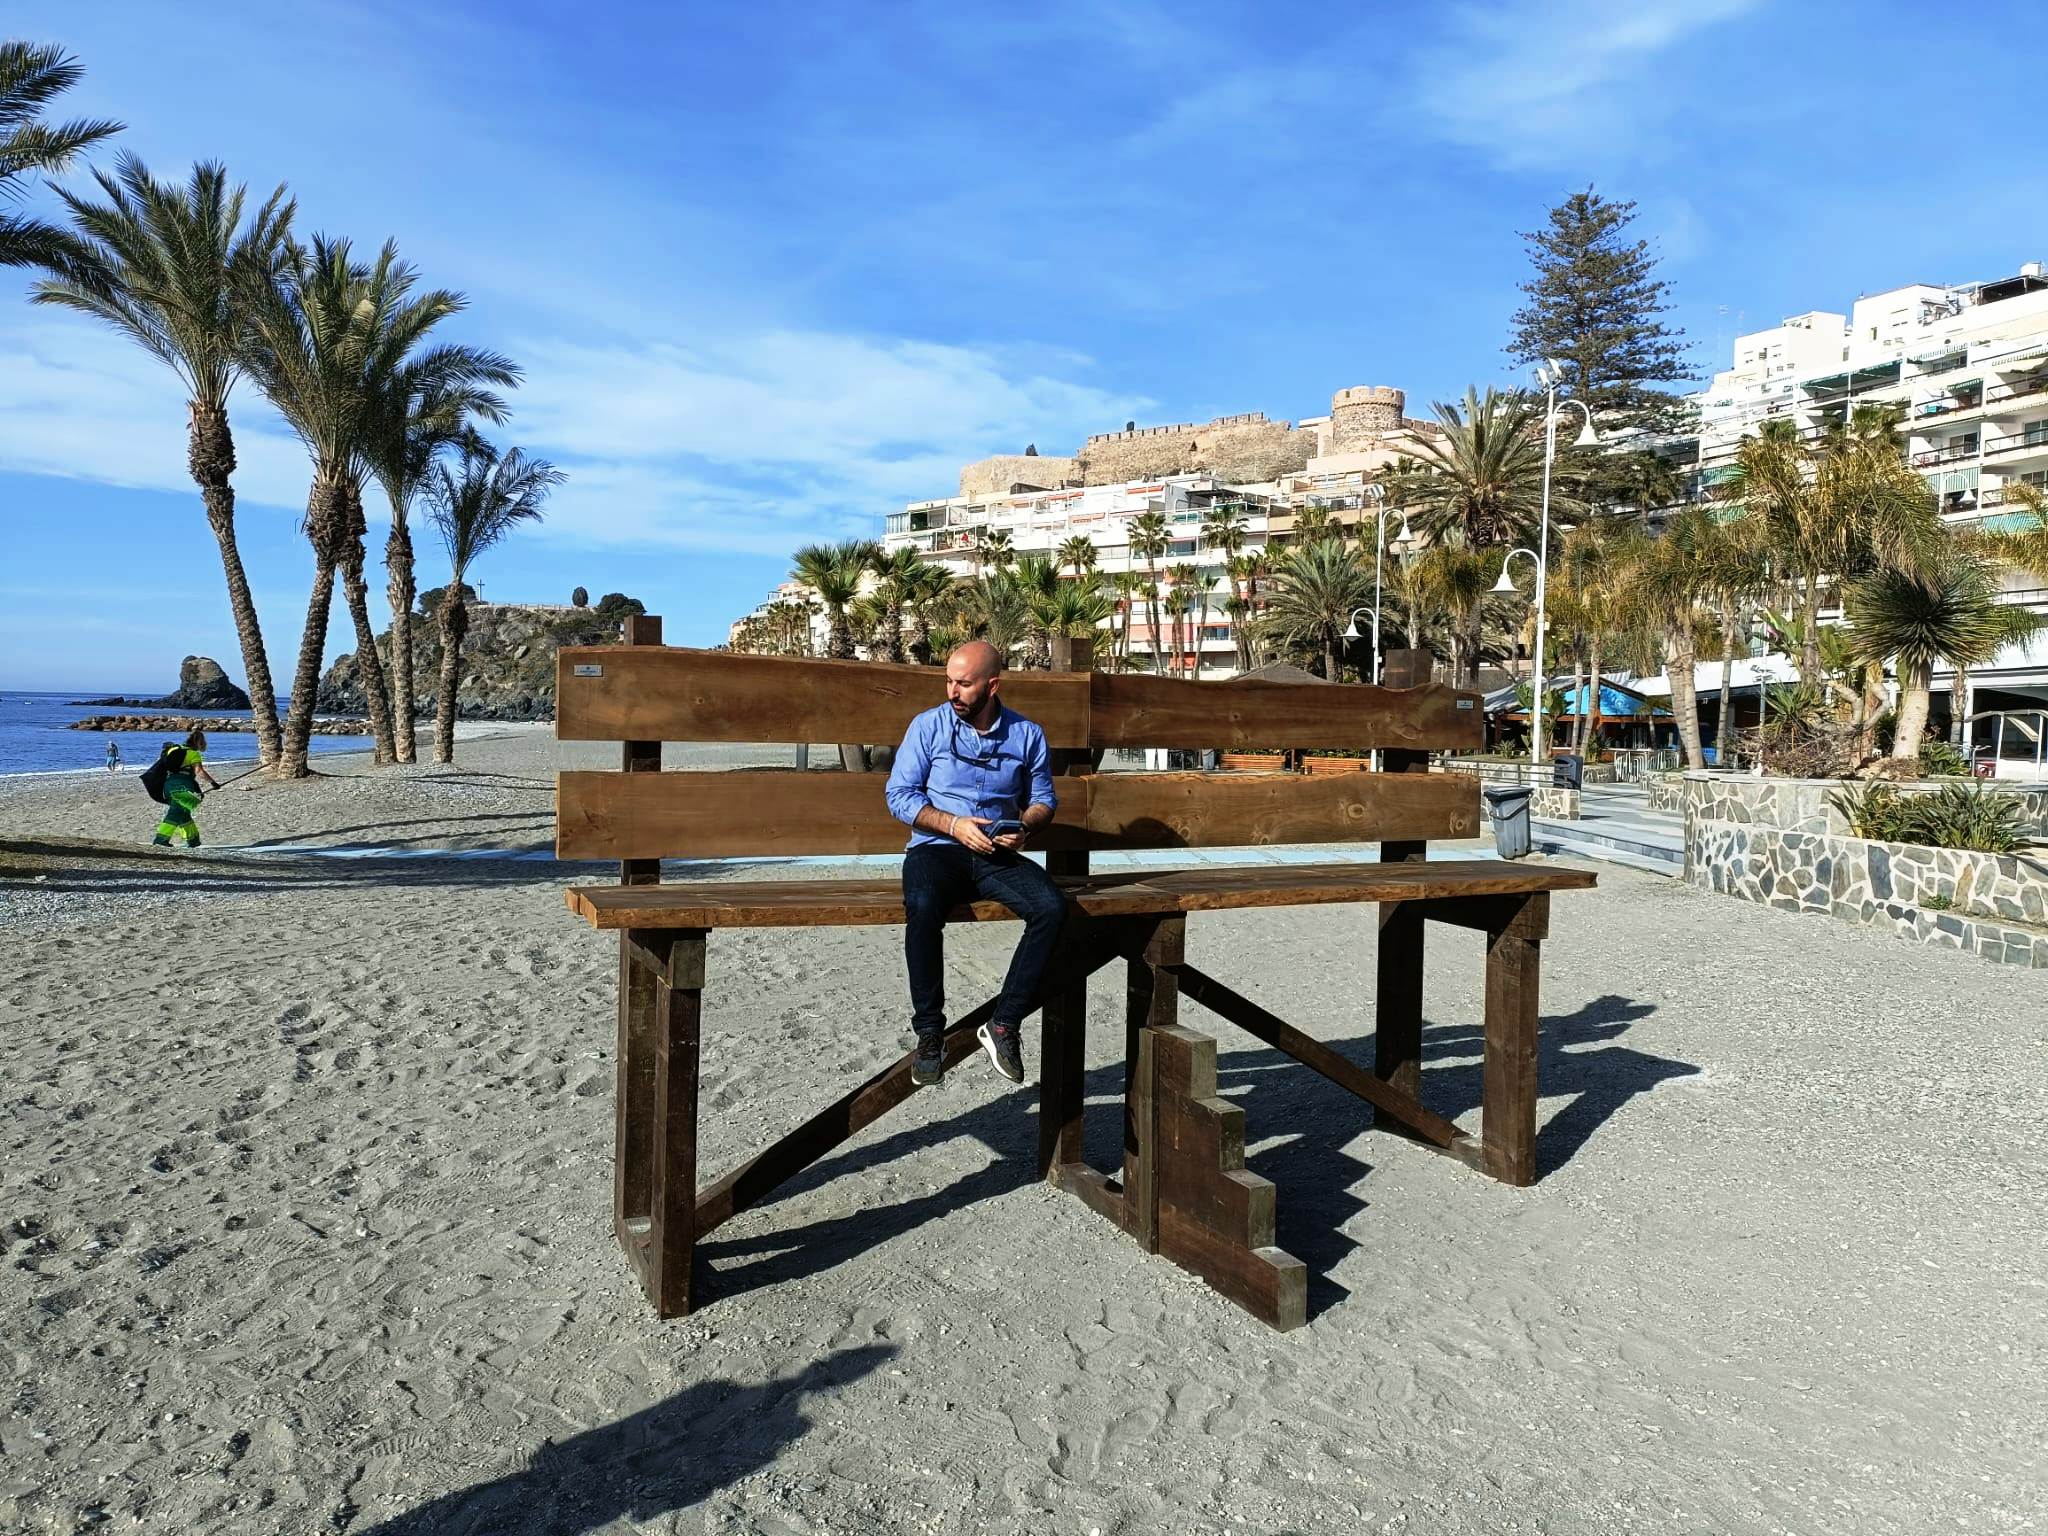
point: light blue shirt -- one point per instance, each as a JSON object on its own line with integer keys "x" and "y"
{"x": 947, "y": 764}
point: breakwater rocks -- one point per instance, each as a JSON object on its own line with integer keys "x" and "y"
{"x": 185, "y": 724}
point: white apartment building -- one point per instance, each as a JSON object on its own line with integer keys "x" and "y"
{"x": 1969, "y": 366}
{"x": 951, "y": 532}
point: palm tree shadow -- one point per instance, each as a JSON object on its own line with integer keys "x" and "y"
{"x": 649, "y": 1464}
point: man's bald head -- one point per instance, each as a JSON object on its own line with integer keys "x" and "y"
{"x": 974, "y": 675}
{"x": 979, "y": 657}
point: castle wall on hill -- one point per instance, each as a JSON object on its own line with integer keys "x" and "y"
{"x": 1246, "y": 448}
{"x": 995, "y": 475}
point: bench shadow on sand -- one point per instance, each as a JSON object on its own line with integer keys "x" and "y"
{"x": 664, "y": 1458}
{"x": 1298, "y": 1129}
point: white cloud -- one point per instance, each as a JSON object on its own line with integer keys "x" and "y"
{"x": 80, "y": 402}
{"x": 1540, "y": 83}
{"x": 750, "y": 444}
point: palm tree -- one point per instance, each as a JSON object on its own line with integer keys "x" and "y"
{"x": 1151, "y": 536}
{"x": 1481, "y": 478}
{"x": 168, "y": 267}
{"x": 1666, "y": 585}
{"x": 994, "y": 608}
{"x": 1079, "y": 555}
{"x": 1833, "y": 511}
{"x": 1452, "y": 582}
{"x": 924, "y": 589}
{"x": 1945, "y": 611}
{"x": 834, "y": 572}
{"x": 1734, "y": 576}
{"x": 412, "y": 429}
{"x": 31, "y": 77}
{"x": 997, "y": 549}
{"x": 1246, "y": 571}
{"x": 474, "y": 505}
{"x": 1039, "y": 581}
{"x": 1315, "y": 588}
{"x": 1127, "y": 585}
{"x": 896, "y": 578}
{"x": 327, "y": 338}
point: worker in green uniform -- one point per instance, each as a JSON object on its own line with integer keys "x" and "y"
{"x": 182, "y": 793}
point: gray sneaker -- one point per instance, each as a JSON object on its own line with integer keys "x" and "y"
{"x": 930, "y": 1067}
{"x": 1000, "y": 1041}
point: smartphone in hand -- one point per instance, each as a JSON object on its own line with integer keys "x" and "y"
{"x": 1009, "y": 826}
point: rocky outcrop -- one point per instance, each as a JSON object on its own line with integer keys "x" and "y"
{"x": 214, "y": 726}
{"x": 508, "y": 658}
{"x": 201, "y": 685}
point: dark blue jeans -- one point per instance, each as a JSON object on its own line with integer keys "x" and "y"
{"x": 937, "y": 877}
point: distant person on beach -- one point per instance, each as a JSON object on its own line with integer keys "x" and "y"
{"x": 113, "y": 755}
{"x": 182, "y": 793}
{"x": 966, "y": 767}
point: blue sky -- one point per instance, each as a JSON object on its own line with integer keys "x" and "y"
{"x": 775, "y": 269}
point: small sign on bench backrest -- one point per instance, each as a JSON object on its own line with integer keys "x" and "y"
{"x": 640, "y": 693}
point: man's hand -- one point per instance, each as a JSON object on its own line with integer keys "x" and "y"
{"x": 1014, "y": 841}
{"x": 967, "y": 832}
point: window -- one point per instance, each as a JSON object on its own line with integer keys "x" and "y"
{"x": 1965, "y": 442}
{"x": 2035, "y": 477}
{"x": 2035, "y": 433}
{"x": 1182, "y": 547}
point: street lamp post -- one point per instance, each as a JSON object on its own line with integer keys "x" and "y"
{"x": 1549, "y": 377}
{"x": 1378, "y": 495}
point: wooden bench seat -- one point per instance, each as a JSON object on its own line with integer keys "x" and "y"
{"x": 1183, "y": 1190}
{"x": 840, "y": 903}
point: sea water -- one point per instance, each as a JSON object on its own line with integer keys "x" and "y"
{"x": 35, "y": 734}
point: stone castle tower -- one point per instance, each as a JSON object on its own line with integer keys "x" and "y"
{"x": 1361, "y": 415}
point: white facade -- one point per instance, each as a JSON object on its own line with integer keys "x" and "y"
{"x": 951, "y": 533}
{"x": 1969, "y": 367}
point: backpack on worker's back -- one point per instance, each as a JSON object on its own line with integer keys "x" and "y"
{"x": 154, "y": 775}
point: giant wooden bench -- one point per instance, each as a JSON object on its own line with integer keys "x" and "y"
{"x": 1182, "y": 1190}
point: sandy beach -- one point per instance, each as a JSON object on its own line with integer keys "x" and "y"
{"x": 305, "y": 1184}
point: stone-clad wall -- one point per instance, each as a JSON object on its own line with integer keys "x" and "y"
{"x": 1666, "y": 791}
{"x": 1801, "y": 805}
{"x": 1993, "y": 905}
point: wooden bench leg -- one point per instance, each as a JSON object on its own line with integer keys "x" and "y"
{"x": 659, "y": 1122}
{"x": 1151, "y": 1002}
{"x": 1508, "y": 1077}
{"x": 1397, "y": 1037}
{"x": 632, "y": 1165}
{"x": 1062, "y": 1093}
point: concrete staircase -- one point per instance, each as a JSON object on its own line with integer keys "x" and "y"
{"x": 1616, "y": 826}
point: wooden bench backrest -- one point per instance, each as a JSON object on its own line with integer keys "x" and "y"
{"x": 651, "y": 693}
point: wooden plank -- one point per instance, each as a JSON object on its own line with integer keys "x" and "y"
{"x": 1095, "y": 1189}
{"x": 1508, "y": 1074}
{"x": 769, "y": 812}
{"x": 672, "y": 1242}
{"x": 1269, "y": 1283}
{"x": 671, "y": 693}
{"x": 1310, "y": 1052}
{"x": 1197, "y": 810}
{"x": 642, "y": 756}
{"x": 830, "y": 903}
{"x": 1131, "y": 709}
{"x": 1525, "y": 917}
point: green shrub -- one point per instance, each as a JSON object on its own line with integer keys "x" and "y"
{"x": 1943, "y": 759}
{"x": 1965, "y": 816}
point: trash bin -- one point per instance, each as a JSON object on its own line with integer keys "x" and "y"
{"x": 1567, "y": 771}
{"x": 1508, "y": 809}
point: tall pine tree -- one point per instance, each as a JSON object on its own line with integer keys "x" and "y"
{"x": 1594, "y": 304}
